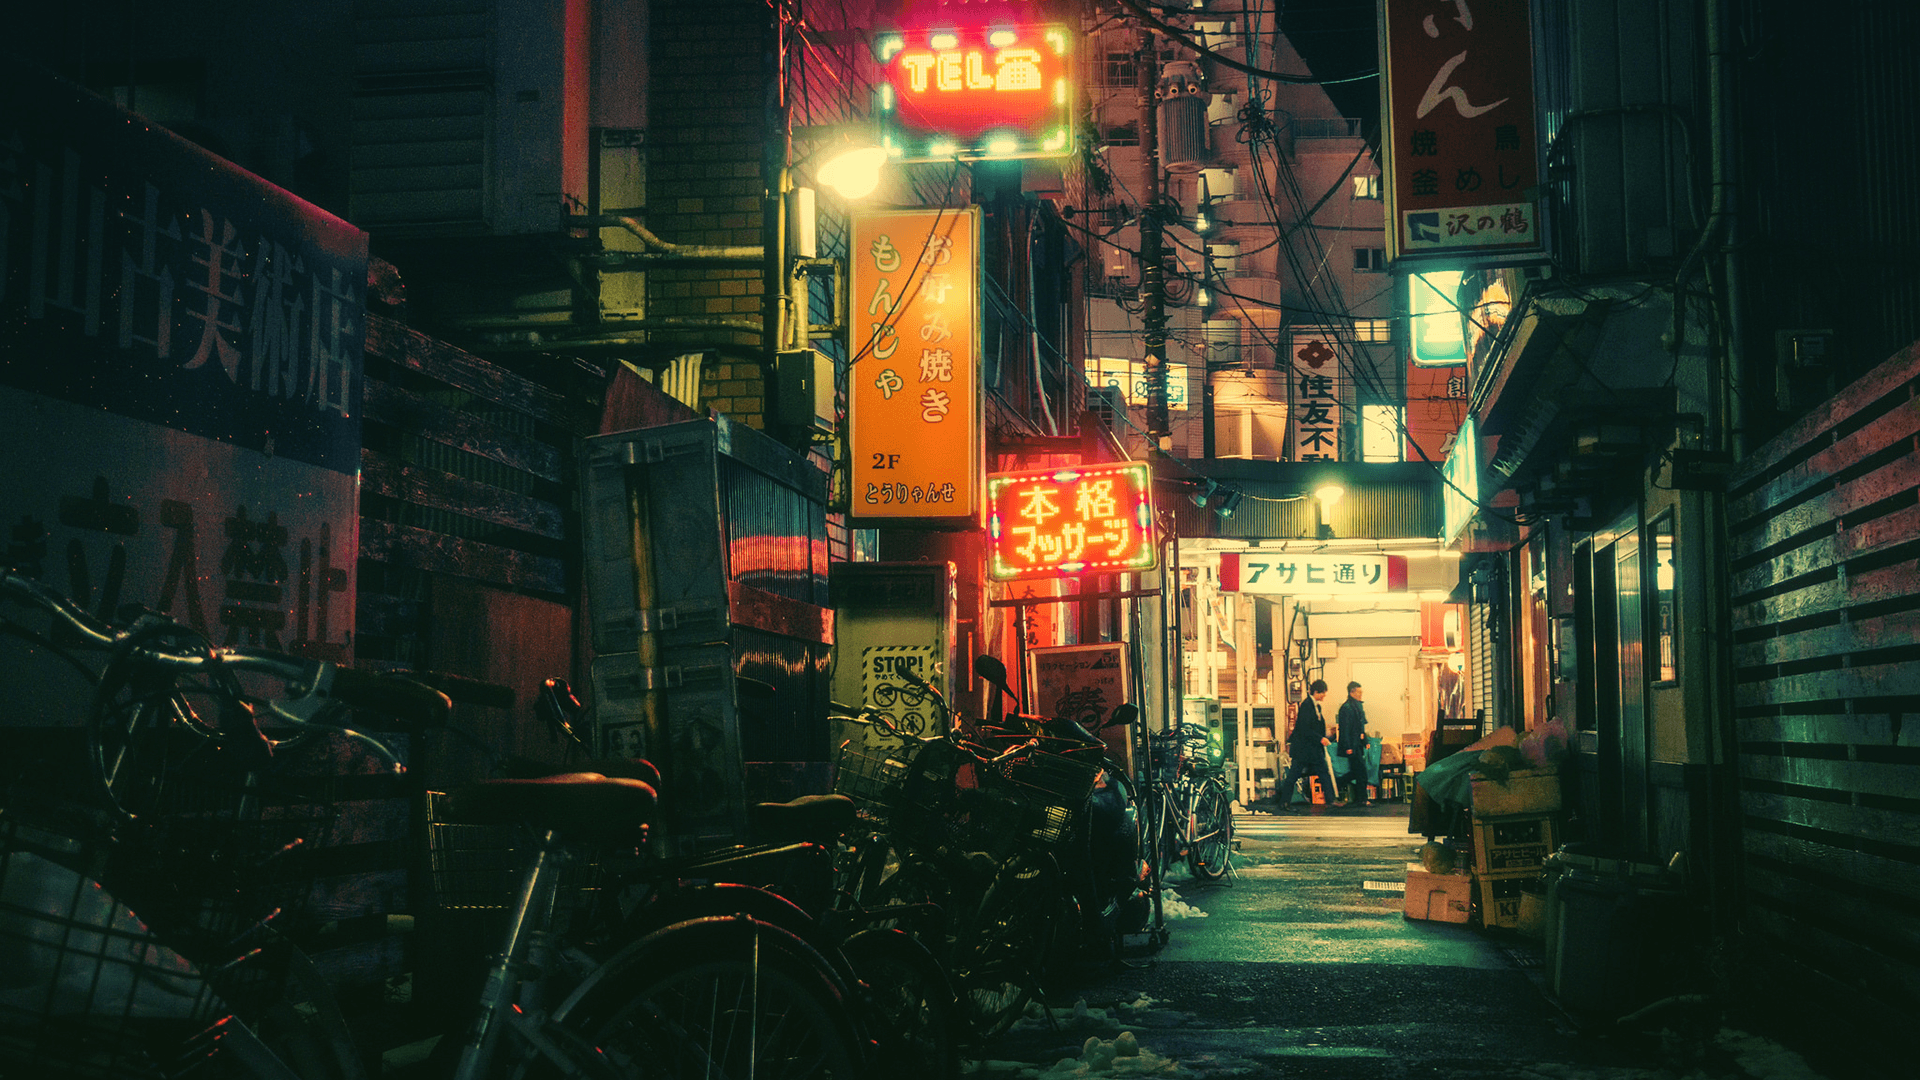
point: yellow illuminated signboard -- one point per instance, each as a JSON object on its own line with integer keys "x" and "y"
{"x": 1083, "y": 519}
{"x": 1002, "y": 91}
{"x": 913, "y": 391}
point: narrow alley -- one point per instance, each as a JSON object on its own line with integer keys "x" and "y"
{"x": 1305, "y": 966}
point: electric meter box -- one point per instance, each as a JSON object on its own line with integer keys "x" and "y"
{"x": 891, "y": 618}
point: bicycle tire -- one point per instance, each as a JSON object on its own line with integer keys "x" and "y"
{"x": 913, "y": 1004}
{"x": 1004, "y": 945}
{"x": 718, "y": 996}
{"x": 1211, "y": 845}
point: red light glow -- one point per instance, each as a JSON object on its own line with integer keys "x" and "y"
{"x": 1087, "y": 519}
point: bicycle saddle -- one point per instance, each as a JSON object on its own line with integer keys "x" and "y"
{"x": 810, "y": 818}
{"x": 587, "y": 807}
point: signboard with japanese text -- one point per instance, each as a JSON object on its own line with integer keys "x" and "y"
{"x": 1459, "y": 499}
{"x": 1082, "y": 683}
{"x": 976, "y": 92}
{"x": 1317, "y": 391}
{"x": 1461, "y": 148}
{"x": 913, "y": 402}
{"x": 1322, "y": 573}
{"x": 1094, "y": 519}
{"x": 180, "y": 366}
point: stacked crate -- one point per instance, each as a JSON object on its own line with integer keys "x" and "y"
{"x": 1516, "y": 825}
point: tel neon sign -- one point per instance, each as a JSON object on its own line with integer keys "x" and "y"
{"x": 1091, "y": 519}
{"x": 976, "y": 92}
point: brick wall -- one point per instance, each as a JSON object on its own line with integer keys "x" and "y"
{"x": 707, "y": 138}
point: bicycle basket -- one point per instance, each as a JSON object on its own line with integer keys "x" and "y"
{"x": 872, "y": 777}
{"x": 474, "y": 870}
{"x": 1054, "y": 787}
{"x": 92, "y": 989}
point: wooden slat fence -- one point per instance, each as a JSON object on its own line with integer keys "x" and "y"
{"x": 467, "y": 572}
{"x": 1824, "y": 527}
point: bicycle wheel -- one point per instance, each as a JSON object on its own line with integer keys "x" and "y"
{"x": 1211, "y": 844}
{"x": 1002, "y": 948}
{"x": 911, "y": 1002}
{"x": 718, "y": 997}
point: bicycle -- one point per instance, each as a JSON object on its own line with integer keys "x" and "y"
{"x": 200, "y": 975}
{"x": 1193, "y": 811}
{"x": 948, "y": 826}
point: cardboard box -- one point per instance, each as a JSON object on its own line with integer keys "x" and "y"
{"x": 1438, "y": 897}
{"x": 1509, "y": 845}
{"x": 1525, "y": 791}
{"x": 1499, "y": 897}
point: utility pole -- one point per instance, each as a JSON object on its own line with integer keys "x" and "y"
{"x": 1153, "y": 278}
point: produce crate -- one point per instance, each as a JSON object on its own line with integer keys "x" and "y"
{"x": 1438, "y": 897}
{"x": 1498, "y": 896}
{"x": 1508, "y": 845}
{"x": 1523, "y": 792}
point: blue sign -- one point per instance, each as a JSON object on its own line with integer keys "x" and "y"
{"x": 144, "y": 276}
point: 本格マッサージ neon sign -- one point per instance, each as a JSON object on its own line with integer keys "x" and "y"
{"x": 1075, "y": 520}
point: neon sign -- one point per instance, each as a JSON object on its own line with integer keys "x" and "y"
{"x": 1078, "y": 520}
{"x": 977, "y": 92}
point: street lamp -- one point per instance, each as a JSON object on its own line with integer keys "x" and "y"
{"x": 1325, "y": 496}
{"x": 853, "y": 171}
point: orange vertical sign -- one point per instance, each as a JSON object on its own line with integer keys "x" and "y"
{"x": 913, "y": 399}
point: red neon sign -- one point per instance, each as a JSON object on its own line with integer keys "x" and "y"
{"x": 977, "y": 92}
{"x": 1076, "y": 520}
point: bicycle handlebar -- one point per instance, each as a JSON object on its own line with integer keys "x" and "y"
{"x": 313, "y": 685}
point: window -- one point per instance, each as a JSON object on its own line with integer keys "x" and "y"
{"x": 1665, "y": 615}
{"x": 1380, "y": 433}
{"x": 1366, "y": 187}
{"x": 1372, "y": 330}
{"x": 1370, "y": 260}
{"x": 1119, "y": 70}
{"x": 1127, "y": 134}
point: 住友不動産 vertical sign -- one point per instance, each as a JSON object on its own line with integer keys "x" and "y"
{"x": 1461, "y": 148}
{"x": 976, "y": 92}
{"x": 913, "y": 388}
{"x": 1084, "y": 519}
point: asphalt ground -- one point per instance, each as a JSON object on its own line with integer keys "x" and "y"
{"x": 1304, "y": 966}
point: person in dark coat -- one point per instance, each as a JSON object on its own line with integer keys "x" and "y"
{"x": 1307, "y": 746}
{"x": 1352, "y": 725}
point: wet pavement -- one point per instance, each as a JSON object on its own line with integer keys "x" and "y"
{"x": 1305, "y": 967}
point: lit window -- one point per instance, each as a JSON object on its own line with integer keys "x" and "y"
{"x": 1380, "y": 433}
{"x": 1373, "y": 330}
{"x": 1366, "y": 187}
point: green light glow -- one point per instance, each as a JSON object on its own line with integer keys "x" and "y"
{"x": 1002, "y": 38}
{"x": 944, "y": 41}
{"x": 1055, "y": 141}
{"x": 887, "y": 46}
{"x": 942, "y": 148}
{"x": 1003, "y": 145}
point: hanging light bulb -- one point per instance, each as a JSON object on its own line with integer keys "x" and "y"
{"x": 1201, "y": 495}
{"x": 1228, "y": 503}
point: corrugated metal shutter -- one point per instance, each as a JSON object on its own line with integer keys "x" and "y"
{"x": 1485, "y": 660}
{"x": 422, "y": 90}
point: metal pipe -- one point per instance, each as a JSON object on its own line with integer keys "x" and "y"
{"x": 692, "y": 251}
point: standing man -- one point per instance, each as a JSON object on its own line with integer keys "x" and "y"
{"x": 1352, "y": 725}
{"x": 1307, "y": 745}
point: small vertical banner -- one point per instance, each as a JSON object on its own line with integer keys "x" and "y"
{"x": 1461, "y": 148}
{"x": 1317, "y": 390}
{"x": 913, "y": 400}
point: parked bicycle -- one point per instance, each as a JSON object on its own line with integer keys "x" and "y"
{"x": 947, "y": 824}
{"x": 1192, "y": 808}
{"x": 137, "y": 888}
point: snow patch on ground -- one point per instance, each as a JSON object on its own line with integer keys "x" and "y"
{"x": 1120, "y": 1056}
{"x": 1172, "y": 907}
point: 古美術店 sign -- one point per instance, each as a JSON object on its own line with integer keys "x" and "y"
{"x": 913, "y": 384}
{"x": 1317, "y": 574}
